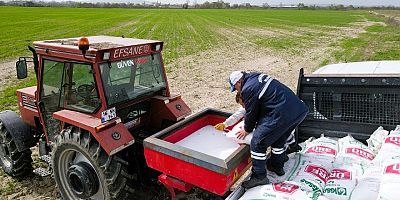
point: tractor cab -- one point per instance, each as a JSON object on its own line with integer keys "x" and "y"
{"x": 96, "y": 99}
{"x": 91, "y": 75}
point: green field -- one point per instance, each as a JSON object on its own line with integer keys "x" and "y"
{"x": 184, "y": 31}
{"x": 187, "y": 32}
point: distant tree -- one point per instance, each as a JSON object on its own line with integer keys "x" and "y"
{"x": 2, "y": 3}
{"x": 235, "y": 6}
{"x": 266, "y": 5}
{"x": 300, "y": 6}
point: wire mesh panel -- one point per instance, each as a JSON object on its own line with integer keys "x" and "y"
{"x": 340, "y": 105}
{"x": 371, "y": 108}
{"x": 323, "y": 105}
{"x": 376, "y": 108}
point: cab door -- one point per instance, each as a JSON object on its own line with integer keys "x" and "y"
{"x": 66, "y": 85}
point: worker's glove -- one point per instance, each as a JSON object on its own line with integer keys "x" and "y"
{"x": 220, "y": 126}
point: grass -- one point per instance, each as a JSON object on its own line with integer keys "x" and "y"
{"x": 188, "y": 32}
{"x": 8, "y": 99}
{"x": 377, "y": 43}
{"x": 183, "y": 31}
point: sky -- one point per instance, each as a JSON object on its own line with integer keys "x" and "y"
{"x": 274, "y": 2}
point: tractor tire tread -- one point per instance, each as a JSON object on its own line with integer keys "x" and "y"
{"x": 115, "y": 172}
{"x": 21, "y": 162}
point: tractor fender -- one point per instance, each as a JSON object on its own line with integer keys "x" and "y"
{"x": 19, "y": 130}
{"x": 112, "y": 136}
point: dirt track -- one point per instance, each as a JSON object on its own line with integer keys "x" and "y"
{"x": 201, "y": 79}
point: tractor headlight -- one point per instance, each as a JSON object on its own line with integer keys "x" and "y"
{"x": 158, "y": 46}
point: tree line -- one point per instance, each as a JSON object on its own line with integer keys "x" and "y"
{"x": 219, "y": 4}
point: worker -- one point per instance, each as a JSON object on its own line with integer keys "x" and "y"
{"x": 290, "y": 145}
{"x": 272, "y": 111}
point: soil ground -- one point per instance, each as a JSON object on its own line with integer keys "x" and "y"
{"x": 201, "y": 79}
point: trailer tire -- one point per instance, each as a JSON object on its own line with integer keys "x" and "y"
{"x": 13, "y": 162}
{"x": 83, "y": 170}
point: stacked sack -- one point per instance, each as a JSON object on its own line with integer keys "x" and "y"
{"x": 352, "y": 158}
{"x": 339, "y": 170}
{"x": 354, "y": 151}
{"x": 341, "y": 181}
{"x": 315, "y": 164}
{"x": 390, "y": 180}
{"x": 390, "y": 147}
{"x": 376, "y": 139}
{"x": 369, "y": 183}
{"x": 285, "y": 190}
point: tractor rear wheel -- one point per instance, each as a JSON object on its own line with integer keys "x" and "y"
{"x": 13, "y": 162}
{"x": 83, "y": 170}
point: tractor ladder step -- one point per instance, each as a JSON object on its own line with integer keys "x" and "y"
{"x": 44, "y": 171}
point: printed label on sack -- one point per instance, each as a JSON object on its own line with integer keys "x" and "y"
{"x": 315, "y": 188}
{"x": 285, "y": 187}
{"x": 393, "y": 140}
{"x": 319, "y": 172}
{"x": 360, "y": 153}
{"x": 321, "y": 150}
{"x": 393, "y": 169}
{"x": 336, "y": 190}
{"x": 341, "y": 174}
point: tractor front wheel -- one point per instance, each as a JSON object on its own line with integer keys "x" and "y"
{"x": 83, "y": 170}
{"x": 13, "y": 162}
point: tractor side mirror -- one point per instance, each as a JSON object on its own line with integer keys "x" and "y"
{"x": 22, "y": 69}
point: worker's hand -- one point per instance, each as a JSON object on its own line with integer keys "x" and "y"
{"x": 220, "y": 126}
{"x": 241, "y": 134}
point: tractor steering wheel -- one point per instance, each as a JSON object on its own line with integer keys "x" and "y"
{"x": 86, "y": 91}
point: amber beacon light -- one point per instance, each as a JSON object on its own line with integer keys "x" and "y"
{"x": 83, "y": 45}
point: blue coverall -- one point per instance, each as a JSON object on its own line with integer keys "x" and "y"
{"x": 274, "y": 111}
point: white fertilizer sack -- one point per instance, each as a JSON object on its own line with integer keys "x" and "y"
{"x": 284, "y": 190}
{"x": 368, "y": 185}
{"x": 376, "y": 139}
{"x": 322, "y": 148}
{"x": 311, "y": 174}
{"x": 390, "y": 147}
{"x": 210, "y": 141}
{"x": 237, "y": 128}
{"x": 390, "y": 181}
{"x": 352, "y": 150}
{"x": 341, "y": 181}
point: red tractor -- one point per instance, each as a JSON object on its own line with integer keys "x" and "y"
{"x": 92, "y": 107}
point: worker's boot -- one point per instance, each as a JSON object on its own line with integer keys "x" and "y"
{"x": 254, "y": 181}
{"x": 293, "y": 148}
{"x": 279, "y": 172}
{"x": 286, "y": 158}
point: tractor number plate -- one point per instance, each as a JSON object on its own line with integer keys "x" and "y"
{"x": 108, "y": 115}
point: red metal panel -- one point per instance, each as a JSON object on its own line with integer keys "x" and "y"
{"x": 189, "y": 129}
{"x": 109, "y": 143}
{"x": 175, "y": 183}
{"x": 193, "y": 174}
{"x": 78, "y": 119}
{"x": 171, "y": 108}
{"x": 66, "y": 55}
